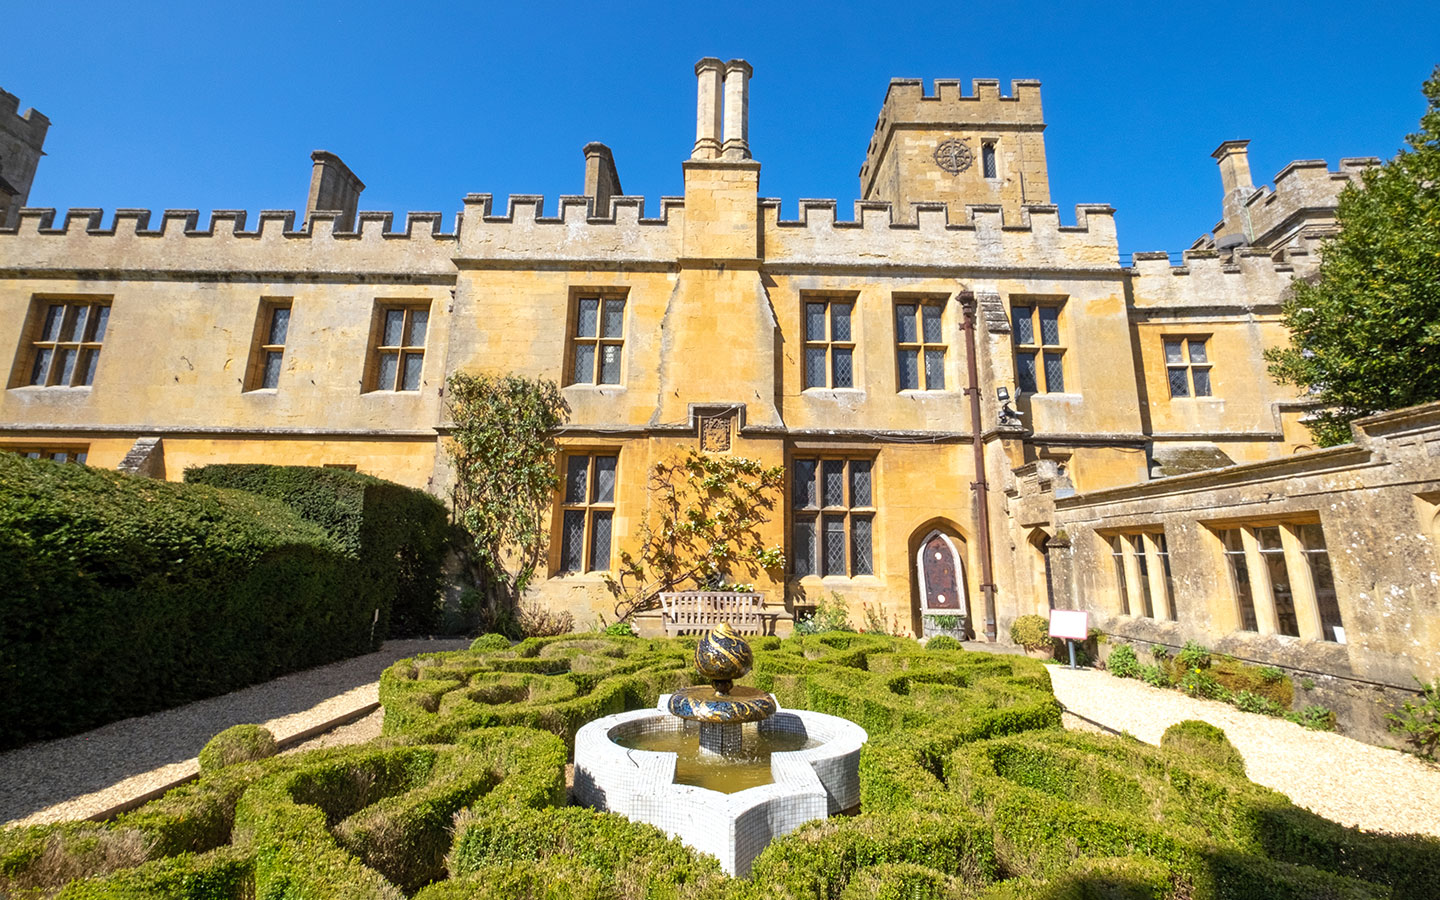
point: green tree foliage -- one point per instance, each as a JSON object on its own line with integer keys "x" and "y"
{"x": 1365, "y": 334}
{"x": 701, "y": 524}
{"x": 502, "y": 448}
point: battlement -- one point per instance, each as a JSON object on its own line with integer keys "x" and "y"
{"x": 578, "y": 231}
{"x": 30, "y": 127}
{"x": 175, "y": 241}
{"x": 1207, "y": 277}
{"x": 1305, "y": 183}
{"x": 875, "y": 236}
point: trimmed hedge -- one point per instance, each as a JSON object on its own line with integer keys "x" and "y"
{"x": 398, "y": 534}
{"x": 237, "y": 744}
{"x": 969, "y": 789}
{"x": 122, "y": 595}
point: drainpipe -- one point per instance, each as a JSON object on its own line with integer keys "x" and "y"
{"x": 979, "y": 485}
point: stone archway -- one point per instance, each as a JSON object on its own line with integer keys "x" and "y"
{"x": 938, "y": 576}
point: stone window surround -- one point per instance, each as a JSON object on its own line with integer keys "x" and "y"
{"x": 403, "y": 350}
{"x": 828, "y": 343}
{"x": 601, "y": 339}
{"x": 847, "y": 511}
{"x": 1188, "y": 365}
{"x": 1141, "y": 571}
{"x": 1040, "y": 352}
{"x": 921, "y": 347}
{"x": 71, "y": 453}
{"x": 264, "y": 343}
{"x": 587, "y": 509}
{"x": 86, "y": 347}
{"x": 1296, "y": 555}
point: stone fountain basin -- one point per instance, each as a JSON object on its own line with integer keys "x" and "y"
{"x": 640, "y": 784}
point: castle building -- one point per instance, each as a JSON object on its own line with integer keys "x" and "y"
{"x": 982, "y": 409}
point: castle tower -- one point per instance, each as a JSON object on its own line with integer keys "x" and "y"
{"x": 22, "y": 139}
{"x": 957, "y": 149}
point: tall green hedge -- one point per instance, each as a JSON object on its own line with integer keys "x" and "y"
{"x": 398, "y": 533}
{"x": 122, "y": 595}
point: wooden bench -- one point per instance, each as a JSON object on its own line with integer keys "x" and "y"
{"x": 696, "y": 612}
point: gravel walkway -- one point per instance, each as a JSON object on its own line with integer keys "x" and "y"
{"x": 86, "y": 774}
{"x": 1339, "y": 778}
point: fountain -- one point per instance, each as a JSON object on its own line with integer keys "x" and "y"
{"x": 720, "y": 766}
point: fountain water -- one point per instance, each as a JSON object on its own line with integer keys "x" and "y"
{"x": 720, "y": 766}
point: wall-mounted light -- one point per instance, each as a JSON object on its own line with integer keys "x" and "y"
{"x": 1008, "y": 413}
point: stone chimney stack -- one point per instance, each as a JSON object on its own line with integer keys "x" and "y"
{"x": 737, "y": 110}
{"x": 710, "y": 73}
{"x": 602, "y": 181}
{"x": 1234, "y": 159}
{"x": 333, "y": 188}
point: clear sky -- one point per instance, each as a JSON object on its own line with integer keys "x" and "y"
{"x": 217, "y": 106}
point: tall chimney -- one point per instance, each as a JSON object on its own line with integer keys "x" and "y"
{"x": 333, "y": 188}
{"x": 1234, "y": 159}
{"x": 709, "y": 72}
{"x": 602, "y": 181}
{"x": 737, "y": 110}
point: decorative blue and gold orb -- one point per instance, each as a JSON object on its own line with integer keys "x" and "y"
{"x": 723, "y": 655}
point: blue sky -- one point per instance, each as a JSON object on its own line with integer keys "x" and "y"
{"x": 211, "y": 106}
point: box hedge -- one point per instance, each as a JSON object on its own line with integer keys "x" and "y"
{"x": 399, "y": 534}
{"x": 969, "y": 789}
{"x": 122, "y": 595}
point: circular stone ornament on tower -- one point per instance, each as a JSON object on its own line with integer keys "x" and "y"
{"x": 953, "y": 156}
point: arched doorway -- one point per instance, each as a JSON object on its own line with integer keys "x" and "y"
{"x": 1041, "y": 579}
{"x": 941, "y": 591}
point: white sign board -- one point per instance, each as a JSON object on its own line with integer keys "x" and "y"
{"x": 1070, "y": 623}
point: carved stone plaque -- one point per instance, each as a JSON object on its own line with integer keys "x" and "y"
{"x": 714, "y": 434}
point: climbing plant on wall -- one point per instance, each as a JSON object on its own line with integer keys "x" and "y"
{"x": 701, "y": 529}
{"x": 502, "y": 449}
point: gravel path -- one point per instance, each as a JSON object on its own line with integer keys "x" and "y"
{"x": 1339, "y": 778}
{"x": 86, "y": 774}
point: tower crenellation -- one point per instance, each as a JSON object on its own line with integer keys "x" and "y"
{"x": 22, "y": 142}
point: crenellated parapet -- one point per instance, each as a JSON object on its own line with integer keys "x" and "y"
{"x": 174, "y": 241}
{"x": 985, "y": 239}
{"x": 22, "y": 142}
{"x": 1250, "y": 278}
{"x": 619, "y": 234}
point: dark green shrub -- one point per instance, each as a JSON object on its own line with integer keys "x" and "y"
{"x": 237, "y": 744}
{"x": 1254, "y": 703}
{"x": 1032, "y": 633}
{"x": 399, "y": 535}
{"x": 1200, "y": 683}
{"x": 122, "y": 595}
{"x": 942, "y": 642}
{"x": 1205, "y": 742}
{"x": 1123, "y": 663}
{"x": 1193, "y": 656}
{"x": 1418, "y": 722}
{"x": 1155, "y": 676}
{"x": 492, "y": 641}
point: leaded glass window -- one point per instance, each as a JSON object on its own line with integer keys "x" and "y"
{"x": 588, "y": 513}
{"x": 597, "y": 344}
{"x": 832, "y": 517}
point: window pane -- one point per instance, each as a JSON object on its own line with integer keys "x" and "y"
{"x": 389, "y": 363}
{"x": 1120, "y": 584}
{"x": 584, "y": 372}
{"x": 905, "y": 323}
{"x": 1024, "y": 325}
{"x": 614, "y": 323}
{"x": 1025, "y": 372}
{"x": 600, "y": 541}
{"x": 586, "y": 321}
{"x": 419, "y": 324}
{"x": 1179, "y": 382}
{"x": 572, "y": 541}
{"x": 844, "y": 365}
{"x": 80, "y": 457}
{"x": 1202, "y": 382}
{"x": 604, "y": 479}
{"x": 394, "y": 328}
{"x": 576, "y": 470}
{"x": 414, "y": 362}
{"x": 279, "y": 325}
{"x": 1174, "y": 352}
{"x": 66, "y": 363}
{"x": 1054, "y": 373}
{"x": 1147, "y": 603}
{"x": 1050, "y": 326}
{"x": 840, "y": 321}
{"x": 930, "y": 321}
{"x": 861, "y": 562}
{"x": 34, "y": 454}
{"x": 814, "y": 367}
{"x": 99, "y": 321}
{"x": 909, "y": 363}
{"x": 60, "y": 456}
{"x": 814, "y": 321}
{"x": 610, "y": 364}
{"x": 934, "y": 370}
{"x": 834, "y": 549}
{"x": 804, "y": 546}
{"x": 87, "y": 371}
{"x": 78, "y": 331}
{"x": 271, "y": 376}
{"x": 860, "y": 482}
{"x": 1323, "y": 579}
{"x": 834, "y": 482}
{"x": 67, "y": 330}
{"x": 802, "y": 490}
{"x": 987, "y": 159}
{"x": 1197, "y": 352}
{"x": 1269, "y": 538}
{"x": 53, "y": 317}
{"x": 42, "y": 365}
